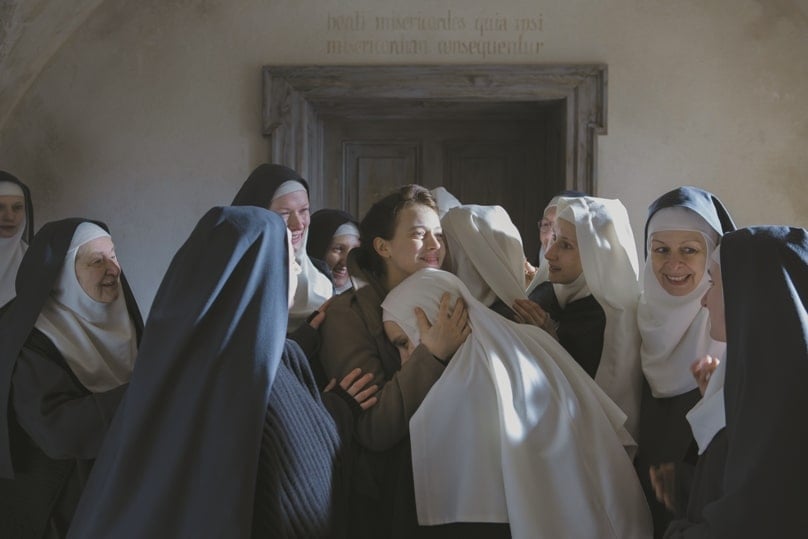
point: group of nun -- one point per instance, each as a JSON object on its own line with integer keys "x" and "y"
{"x": 409, "y": 374}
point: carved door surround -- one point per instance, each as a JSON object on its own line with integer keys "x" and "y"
{"x": 295, "y": 98}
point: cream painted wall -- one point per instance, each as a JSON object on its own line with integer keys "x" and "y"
{"x": 150, "y": 113}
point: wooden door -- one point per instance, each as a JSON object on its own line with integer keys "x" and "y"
{"x": 514, "y": 159}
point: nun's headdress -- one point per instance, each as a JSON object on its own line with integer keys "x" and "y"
{"x": 485, "y": 251}
{"x": 324, "y": 226}
{"x": 265, "y": 183}
{"x": 675, "y": 329}
{"x": 38, "y": 280}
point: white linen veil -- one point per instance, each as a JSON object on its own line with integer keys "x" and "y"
{"x": 485, "y": 251}
{"x": 515, "y": 431}
{"x": 97, "y": 340}
{"x": 609, "y": 259}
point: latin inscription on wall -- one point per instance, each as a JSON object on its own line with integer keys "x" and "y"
{"x": 399, "y": 33}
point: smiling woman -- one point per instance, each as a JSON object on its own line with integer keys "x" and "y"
{"x": 400, "y": 234}
{"x": 684, "y": 226}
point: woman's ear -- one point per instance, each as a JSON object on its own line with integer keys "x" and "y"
{"x": 382, "y": 246}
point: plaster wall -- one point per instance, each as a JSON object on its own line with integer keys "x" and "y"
{"x": 150, "y": 112}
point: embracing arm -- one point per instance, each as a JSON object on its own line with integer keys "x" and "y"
{"x": 347, "y": 345}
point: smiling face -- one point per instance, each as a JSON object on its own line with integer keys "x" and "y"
{"x": 336, "y": 256}
{"x": 678, "y": 260}
{"x": 563, "y": 257}
{"x": 12, "y": 212}
{"x": 98, "y": 271}
{"x": 399, "y": 339}
{"x": 714, "y": 301}
{"x": 294, "y": 208}
{"x": 416, "y": 244}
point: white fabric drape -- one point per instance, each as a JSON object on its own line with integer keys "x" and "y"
{"x": 485, "y": 251}
{"x": 708, "y": 417}
{"x": 444, "y": 199}
{"x": 675, "y": 330}
{"x": 515, "y": 431}
{"x": 609, "y": 261}
{"x": 97, "y": 340}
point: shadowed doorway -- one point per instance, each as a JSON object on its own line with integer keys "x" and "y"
{"x": 507, "y": 135}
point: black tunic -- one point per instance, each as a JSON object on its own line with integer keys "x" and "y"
{"x": 580, "y": 325}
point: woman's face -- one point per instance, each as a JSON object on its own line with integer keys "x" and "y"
{"x": 294, "y": 208}
{"x": 97, "y": 269}
{"x": 563, "y": 257}
{"x": 416, "y": 244}
{"x": 678, "y": 260}
{"x": 714, "y": 301}
{"x": 12, "y": 212}
{"x": 336, "y": 256}
{"x": 399, "y": 339}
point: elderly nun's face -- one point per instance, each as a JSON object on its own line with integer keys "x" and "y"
{"x": 336, "y": 256}
{"x": 563, "y": 257}
{"x": 678, "y": 259}
{"x": 12, "y": 212}
{"x": 98, "y": 271}
{"x": 714, "y": 301}
{"x": 294, "y": 208}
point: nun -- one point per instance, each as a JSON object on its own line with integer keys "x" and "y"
{"x": 683, "y": 228}
{"x": 539, "y": 447}
{"x": 547, "y": 221}
{"x": 750, "y": 481}
{"x": 69, "y": 342}
{"x": 223, "y": 432}
{"x": 592, "y": 265}
{"x": 484, "y": 249}
{"x": 332, "y": 235}
{"x": 16, "y": 231}
{"x": 282, "y": 190}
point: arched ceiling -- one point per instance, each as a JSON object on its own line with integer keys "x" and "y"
{"x": 31, "y": 31}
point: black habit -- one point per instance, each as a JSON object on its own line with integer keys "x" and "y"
{"x": 762, "y": 489}
{"x": 222, "y": 432}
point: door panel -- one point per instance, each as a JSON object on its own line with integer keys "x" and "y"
{"x": 373, "y": 169}
{"x": 515, "y": 162}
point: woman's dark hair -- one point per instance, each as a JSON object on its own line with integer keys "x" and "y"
{"x": 380, "y": 222}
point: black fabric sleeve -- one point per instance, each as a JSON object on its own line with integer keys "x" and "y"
{"x": 59, "y": 414}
